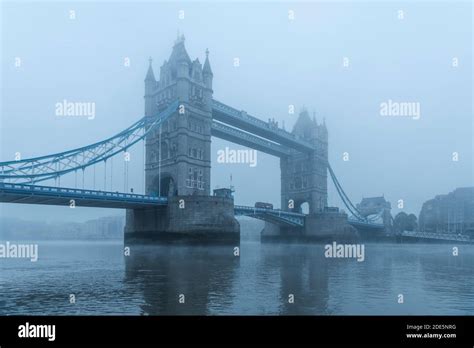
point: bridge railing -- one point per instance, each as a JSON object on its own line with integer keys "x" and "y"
{"x": 51, "y": 190}
{"x": 263, "y": 210}
{"x": 358, "y": 221}
{"x": 434, "y": 235}
{"x": 273, "y": 215}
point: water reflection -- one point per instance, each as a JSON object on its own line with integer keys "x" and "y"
{"x": 303, "y": 277}
{"x": 148, "y": 282}
{"x": 203, "y": 275}
{"x": 300, "y": 280}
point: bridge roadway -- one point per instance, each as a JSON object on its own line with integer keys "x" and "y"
{"x": 271, "y": 215}
{"x": 35, "y": 194}
{"x": 48, "y": 195}
{"x": 446, "y": 237}
{"x": 62, "y": 196}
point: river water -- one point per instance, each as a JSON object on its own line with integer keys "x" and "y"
{"x": 263, "y": 279}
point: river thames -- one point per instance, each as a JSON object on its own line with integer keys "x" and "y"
{"x": 265, "y": 279}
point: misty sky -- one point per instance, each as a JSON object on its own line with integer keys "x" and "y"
{"x": 282, "y": 62}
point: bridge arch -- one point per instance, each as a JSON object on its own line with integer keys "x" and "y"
{"x": 304, "y": 208}
{"x": 302, "y": 205}
{"x": 164, "y": 185}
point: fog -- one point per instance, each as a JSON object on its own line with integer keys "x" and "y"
{"x": 282, "y": 62}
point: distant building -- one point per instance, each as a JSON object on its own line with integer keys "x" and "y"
{"x": 108, "y": 227}
{"x": 373, "y": 205}
{"x": 451, "y": 213}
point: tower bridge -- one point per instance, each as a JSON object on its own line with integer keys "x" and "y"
{"x": 179, "y": 120}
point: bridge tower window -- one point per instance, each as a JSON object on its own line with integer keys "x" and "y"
{"x": 195, "y": 181}
{"x": 164, "y": 150}
{"x": 190, "y": 177}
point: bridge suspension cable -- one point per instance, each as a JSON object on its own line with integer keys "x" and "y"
{"x": 345, "y": 199}
{"x": 52, "y": 166}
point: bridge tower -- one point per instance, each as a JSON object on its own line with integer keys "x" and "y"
{"x": 178, "y": 155}
{"x": 304, "y": 175}
{"x": 178, "y": 160}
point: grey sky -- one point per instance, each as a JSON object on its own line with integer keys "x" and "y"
{"x": 282, "y": 62}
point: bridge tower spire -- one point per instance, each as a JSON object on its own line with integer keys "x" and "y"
{"x": 150, "y": 86}
{"x": 207, "y": 72}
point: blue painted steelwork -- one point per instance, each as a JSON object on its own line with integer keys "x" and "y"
{"x": 35, "y": 194}
{"x": 280, "y": 145}
{"x": 42, "y": 168}
{"x": 358, "y": 223}
{"x": 240, "y": 119}
{"x": 246, "y": 130}
{"x": 246, "y": 139}
{"x": 272, "y": 215}
{"x": 356, "y": 214}
{"x": 438, "y": 236}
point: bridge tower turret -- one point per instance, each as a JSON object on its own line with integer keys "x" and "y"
{"x": 178, "y": 155}
{"x": 304, "y": 175}
{"x": 207, "y": 72}
{"x": 150, "y": 86}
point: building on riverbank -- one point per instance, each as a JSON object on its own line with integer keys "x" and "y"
{"x": 449, "y": 213}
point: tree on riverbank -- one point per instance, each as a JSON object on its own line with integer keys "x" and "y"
{"x": 404, "y": 222}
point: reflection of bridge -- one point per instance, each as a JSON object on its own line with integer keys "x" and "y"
{"x": 180, "y": 118}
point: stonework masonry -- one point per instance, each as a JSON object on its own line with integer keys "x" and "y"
{"x": 304, "y": 175}
{"x": 200, "y": 219}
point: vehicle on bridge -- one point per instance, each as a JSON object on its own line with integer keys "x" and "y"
{"x": 263, "y": 205}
